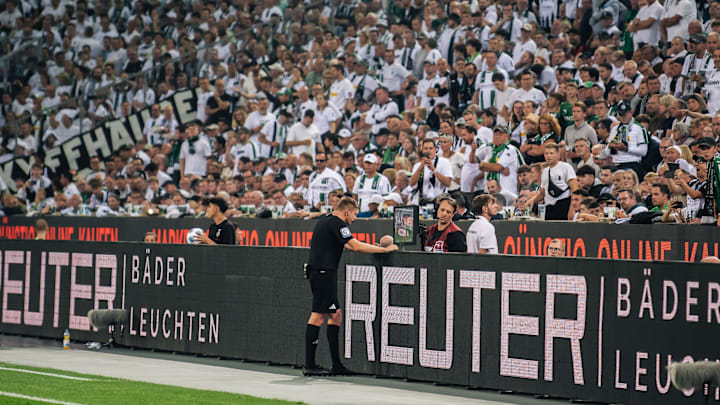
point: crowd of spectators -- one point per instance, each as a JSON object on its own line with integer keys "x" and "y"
{"x": 568, "y": 110}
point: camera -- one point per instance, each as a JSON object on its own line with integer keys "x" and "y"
{"x": 424, "y": 155}
{"x": 670, "y": 173}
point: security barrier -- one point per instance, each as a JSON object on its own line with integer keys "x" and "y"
{"x": 592, "y": 329}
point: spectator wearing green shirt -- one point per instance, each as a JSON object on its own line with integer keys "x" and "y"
{"x": 660, "y": 197}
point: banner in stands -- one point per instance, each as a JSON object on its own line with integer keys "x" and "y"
{"x": 591, "y": 329}
{"x": 657, "y": 242}
{"x": 102, "y": 141}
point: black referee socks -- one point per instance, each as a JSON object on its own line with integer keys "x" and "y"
{"x": 332, "y": 335}
{"x": 312, "y": 334}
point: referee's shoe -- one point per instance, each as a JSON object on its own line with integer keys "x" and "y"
{"x": 321, "y": 372}
{"x": 341, "y": 370}
{"x": 315, "y": 372}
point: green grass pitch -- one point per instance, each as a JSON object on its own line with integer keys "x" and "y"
{"x": 105, "y": 390}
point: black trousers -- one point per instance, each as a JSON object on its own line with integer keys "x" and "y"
{"x": 559, "y": 211}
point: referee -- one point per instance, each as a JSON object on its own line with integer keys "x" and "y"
{"x": 221, "y": 231}
{"x": 331, "y": 234}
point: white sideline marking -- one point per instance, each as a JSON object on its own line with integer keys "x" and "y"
{"x": 46, "y": 400}
{"x": 69, "y": 377}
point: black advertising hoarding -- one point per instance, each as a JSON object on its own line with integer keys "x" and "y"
{"x": 577, "y": 328}
{"x": 661, "y": 242}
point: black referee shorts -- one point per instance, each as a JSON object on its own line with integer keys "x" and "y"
{"x": 323, "y": 284}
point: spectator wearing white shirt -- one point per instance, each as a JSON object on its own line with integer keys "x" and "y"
{"x": 324, "y": 182}
{"x": 9, "y": 16}
{"x": 273, "y": 135}
{"x": 699, "y": 63}
{"x": 68, "y": 187}
{"x": 52, "y": 99}
{"x": 151, "y": 136}
{"x": 143, "y": 95}
{"x": 341, "y": 90}
{"x": 381, "y": 110}
{"x": 22, "y": 105}
{"x": 485, "y": 90}
{"x": 364, "y": 85}
{"x": 481, "y": 234}
{"x": 501, "y": 161}
{"x": 194, "y": 152}
{"x": 449, "y": 37}
{"x": 676, "y": 18}
{"x": 371, "y": 183}
{"x": 645, "y": 28}
{"x": 327, "y": 115}
{"x": 67, "y": 129}
{"x": 166, "y": 125}
{"x": 240, "y": 146}
{"x": 629, "y": 140}
{"x": 112, "y": 209}
{"x": 557, "y": 182}
{"x": 258, "y": 118}
{"x": 505, "y": 61}
{"x": 525, "y": 44}
{"x": 204, "y": 93}
{"x": 428, "y": 89}
{"x": 431, "y": 176}
{"x": 409, "y": 52}
{"x": 26, "y": 141}
{"x": 712, "y": 86}
{"x": 393, "y": 74}
{"x": 527, "y": 91}
{"x": 303, "y": 135}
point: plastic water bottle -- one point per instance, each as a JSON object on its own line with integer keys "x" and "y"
{"x": 93, "y": 345}
{"x": 66, "y": 339}
{"x": 541, "y": 212}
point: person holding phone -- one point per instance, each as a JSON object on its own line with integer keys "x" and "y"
{"x": 628, "y": 140}
{"x": 672, "y": 161}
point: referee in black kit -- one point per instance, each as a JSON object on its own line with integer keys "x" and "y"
{"x": 221, "y": 232}
{"x": 331, "y": 234}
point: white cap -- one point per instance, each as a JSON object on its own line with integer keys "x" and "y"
{"x": 344, "y": 133}
{"x": 677, "y": 149}
{"x": 376, "y": 199}
{"x": 370, "y": 158}
{"x": 393, "y": 197}
{"x": 685, "y": 166}
{"x": 604, "y": 154}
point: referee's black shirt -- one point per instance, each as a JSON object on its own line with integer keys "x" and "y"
{"x": 223, "y": 233}
{"x": 327, "y": 244}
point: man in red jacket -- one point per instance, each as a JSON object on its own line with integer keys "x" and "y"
{"x": 445, "y": 236}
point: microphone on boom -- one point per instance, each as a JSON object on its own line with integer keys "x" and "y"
{"x": 694, "y": 375}
{"x": 108, "y": 319}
